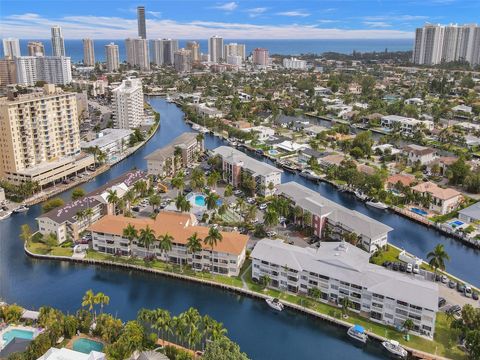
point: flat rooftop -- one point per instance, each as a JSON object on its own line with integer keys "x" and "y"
{"x": 235, "y": 156}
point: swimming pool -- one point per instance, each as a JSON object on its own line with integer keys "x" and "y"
{"x": 419, "y": 211}
{"x": 199, "y": 200}
{"x": 456, "y": 223}
{"x": 86, "y": 346}
{"x": 17, "y": 333}
{"x": 273, "y": 152}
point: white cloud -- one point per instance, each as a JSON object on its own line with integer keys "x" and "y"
{"x": 393, "y": 17}
{"x": 156, "y": 14}
{"x": 328, "y": 21}
{"x": 377, "y": 24}
{"x": 229, "y": 6}
{"x": 294, "y": 13}
{"x": 254, "y": 12}
{"x": 33, "y": 26}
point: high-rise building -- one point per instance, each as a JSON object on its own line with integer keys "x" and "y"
{"x": 36, "y": 48}
{"x": 294, "y": 63}
{"x": 128, "y": 104}
{"x": 11, "y": 48}
{"x": 260, "y": 57}
{"x": 137, "y": 53}
{"x": 58, "y": 45}
{"x": 88, "y": 52}
{"x": 234, "y": 60}
{"x": 51, "y": 69}
{"x": 163, "y": 51}
{"x": 235, "y": 49}
{"x": 156, "y": 52}
{"x": 113, "y": 58}
{"x": 435, "y": 44}
{"x": 8, "y": 72}
{"x": 194, "y": 48}
{"x": 142, "y": 27}
{"x": 38, "y": 133}
{"x": 215, "y": 49}
{"x": 183, "y": 60}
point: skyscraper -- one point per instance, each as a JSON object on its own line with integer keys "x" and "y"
{"x": 113, "y": 58}
{"x": 137, "y": 53}
{"x": 235, "y": 49}
{"x": 194, "y": 48}
{"x": 8, "y": 72}
{"x": 51, "y": 69}
{"x": 156, "y": 52}
{"x": 163, "y": 51}
{"x": 215, "y": 49}
{"x": 260, "y": 57}
{"x": 128, "y": 104}
{"x": 142, "y": 27}
{"x": 36, "y": 48}
{"x": 11, "y": 48}
{"x": 88, "y": 52}
{"x": 58, "y": 45}
{"x": 183, "y": 60}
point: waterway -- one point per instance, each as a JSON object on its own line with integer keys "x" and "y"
{"x": 262, "y": 333}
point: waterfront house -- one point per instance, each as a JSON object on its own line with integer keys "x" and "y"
{"x": 443, "y": 163}
{"x": 470, "y": 214}
{"x": 341, "y": 270}
{"x": 177, "y": 155}
{"x": 263, "y": 132}
{"x": 235, "y": 164}
{"x": 226, "y": 257}
{"x": 421, "y": 154}
{"x": 67, "y": 223}
{"x": 210, "y": 112}
{"x": 406, "y": 180}
{"x": 441, "y": 200}
{"x": 68, "y": 354}
{"x": 407, "y": 125}
{"x": 372, "y": 234}
{"x": 331, "y": 160}
{"x": 306, "y": 154}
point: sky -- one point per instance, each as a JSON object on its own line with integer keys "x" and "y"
{"x": 241, "y": 19}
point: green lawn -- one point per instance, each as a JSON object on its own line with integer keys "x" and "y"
{"x": 391, "y": 254}
{"x": 61, "y": 251}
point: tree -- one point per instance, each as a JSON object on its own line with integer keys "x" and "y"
{"x": 78, "y": 193}
{"x": 130, "y": 232}
{"x": 458, "y": 172}
{"x": 146, "y": 237}
{"x": 165, "y": 243}
{"x": 155, "y": 200}
{"x": 437, "y": 257}
{"x": 112, "y": 198}
{"x": 211, "y": 201}
{"x": 271, "y": 217}
{"x": 52, "y": 204}
{"x": 26, "y": 233}
{"x": 265, "y": 281}
{"x": 315, "y": 293}
{"x": 351, "y": 238}
{"x": 178, "y": 182}
{"x": 194, "y": 244}
{"x": 182, "y": 203}
{"x": 408, "y": 325}
{"x": 212, "y": 239}
{"x": 102, "y": 299}
{"x": 89, "y": 300}
{"x": 213, "y": 179}
{"x": 228, "y": 191}
{"x": 223, "y": 349}
{"x": 162, "y": 322}
{"x": 346, "y": 304}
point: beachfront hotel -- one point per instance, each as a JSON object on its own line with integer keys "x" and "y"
{"x": 235, "y": 163}
{"x": 226, "y": 258}
{"x": 339, "y": 270}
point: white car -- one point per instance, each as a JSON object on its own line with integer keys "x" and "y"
{"x": 409, "y": 268}
{"x": 262, "y": 206}
{"x": 238, "y": 192}
{"x": 416, "y": 269}
{"x": 271, "y": 233}
{"x": 468, "y": 291}
{"x": 251, "y": 200}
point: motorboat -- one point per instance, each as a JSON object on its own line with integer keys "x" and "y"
{"x": 360, "y": 195}
{"x": 287, "y": 165}
{"x": 309, "y": 174}
{"x": 358, "y": 333}
{"x": 274, "y": 303}
{"x": 377, "y": 204}
{"x": 196, "y": 127}
{"x": 21, "y": 209}
{"x": 5, "y": 215}
{"x": 394, "y": 348}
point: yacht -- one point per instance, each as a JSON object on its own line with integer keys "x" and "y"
{"x": 360, "y": 195}
{"x": 274, "y": 303}
{"x": 195, "y": 127}
{"x": 358, "y": 333}
{"x": 289, "y": 166}
{"x": 377, "y": 204}
{"x": 309, "y": 174}
{"x": 394, "y": 348}
{"x": 21, "y": 209}
{"x": 5, "y": 215}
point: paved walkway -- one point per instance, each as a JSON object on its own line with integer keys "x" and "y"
{"x": 245, "y": 286}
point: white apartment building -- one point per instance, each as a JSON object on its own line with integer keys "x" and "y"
{"x": 138, "y": 53}
{"x": 51, "y": 69}
{"x": 112, "y": 142}
{"x": 235, "y": 164}
{"x": 407, "y": 125}
{"x": 235, "y": 60}
{"x": 183, "y": 60}
{"x": 341, "y": 270}
{"x": 128, "y": 104}
{"x": 36, "y": 48}
{"x": 58, "y": 45}
{"x": 225, "y": 258}
{"x": 11, "y": 48}
{"x": 113, "y": 59}
{"x": 216, "y": 49}
{"x": 372, "y": 234}
{"x": 40, "y": 137}
{"x": 294, "y": 63}
{"x": 88, "y": 52}
{"x": 234, "y": 49}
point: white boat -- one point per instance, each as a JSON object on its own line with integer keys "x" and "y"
{"x": 394, "y": 348}
{"x": 358, "y": 333}
{"x": 274, "y": 303}
{"x": 21, "y": 209}
{"x": 196, "y": 127}
{"x": 5, "y": 215}
{"x": 377, "y": 204}
{"x": 360, "y": 195}
{"x": 309, "y": 174}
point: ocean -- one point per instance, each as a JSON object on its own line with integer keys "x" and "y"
{"x": 74, "y": 48}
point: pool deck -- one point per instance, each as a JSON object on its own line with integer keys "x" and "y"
{"x": 35, "y": 331}
{"x": 74, "y": 338}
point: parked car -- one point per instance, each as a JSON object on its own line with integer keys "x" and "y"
{"x": 452, "y": 284}
{"x": 271, "y": 233}
{"x": 387, "y": 264}
{"x": 409, "y": 268}
{"x": 460, "y": 288}
{"x": 474, "y": 295}
{"x": 402, "y": 267}
{"x": 136, "y": 208}
{"x": 251, "y": 200}
{"x": 395, "y": 266}
{"x": 441, "y": 302}
{"x": 416, "y": 269}
{"x": 238, "y": 192}
{"x": 467, "y": 291}
{"x": 454, "y": 309}
{"x": 444, "y": 279}
{"x": 262, "y": 206}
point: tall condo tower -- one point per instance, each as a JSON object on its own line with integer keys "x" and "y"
{"x": 215, "y": 49}
{"x": 36, "y": 48}
{"x": 58, "y": 45}
{"x": 88, "y": 52}
{"x": 11, "y": 48}
{"x": 142, "y": 27}
{"x": 113, "y": 58}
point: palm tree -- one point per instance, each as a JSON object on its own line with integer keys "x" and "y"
{"x": 88, "y": 213}
{"x": 346, "y": 304}
{"x": 146, "y": 237}
{"x": 194, "y": 245}
{"x": 211, "y": 201}
{"x": 165, "y": 243}
{"x": 155, "y": 200}
{"x": 178, "y": 182}
{"x": 408, "y": 325}
{"x": 297, "y": 213}
{"x": 140, "y": 187}
{"x": 102, "y": 299}
{"x": 130, "y": 232}
{"x": 182, "y": 203}
{"x": 213, "y": 237}
{"x": 162, "y": 322}
{"x": 213, "y": 179}
{"x": 112, "y": 198}
{"x": 26, "y": 233}
{"x": 437, "y": 258}
{"x": 89, "y": 300}
{"x": 130, "y": 198}
{"x": 271, "y": 217}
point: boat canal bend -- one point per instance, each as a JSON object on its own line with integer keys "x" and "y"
{"x": 261, "y": 332}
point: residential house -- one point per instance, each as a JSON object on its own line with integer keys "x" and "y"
{"x": 407, "y": 125}
{"x": 470, "y": 214}
{"x": 263, "y": 132}
{"x": 331, "y": 160}
{"x": 421, "y": 154}
{"x": 442, "y": 200}
{"x": 443, "y": 163}
{"x": 406, "y": 180}
{"x": 414, "y": 101}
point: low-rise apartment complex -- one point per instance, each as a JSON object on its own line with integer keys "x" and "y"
{"x": 225, "y": 258}
{"x": 372, "y": 234}
{"x": 236, "y": 164}
{"x": 340, "y": 270}
{"x": 177, "y": 155}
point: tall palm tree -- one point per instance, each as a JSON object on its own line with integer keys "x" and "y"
{"x": 102, "y": 299}
{"x": 271, "y": 217}
{"x": 162, "y": 322}
{"x": 178, "y": 182}
{"x": 155, "y": 200}
{"x": 88, "y": 213}
{"x": 212, "y": 239}
{"x": 211, "y": 201}
{"x": 194, "y": 244}
{"x": 89, "y": 300}
{"x": 130, "y": 198}
{"x": 146, "y": 237}
{"x": 112, "y": 198}
{"x": 437, "y": 258}
{"x": 213, "y": 178}
{"x": 140, "y": 187}
{"x": 130, "y": 232}
{"x": 165, "y": 243}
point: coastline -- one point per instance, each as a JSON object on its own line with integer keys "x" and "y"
{"x": 418, "y": 354}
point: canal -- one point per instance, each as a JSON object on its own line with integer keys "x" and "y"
{"x": 260, "y": 332}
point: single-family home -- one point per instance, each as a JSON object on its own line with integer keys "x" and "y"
{"x": 442, "y": 201}
{"x": 417, "y": 153}
{"x": 470, "y": 214}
